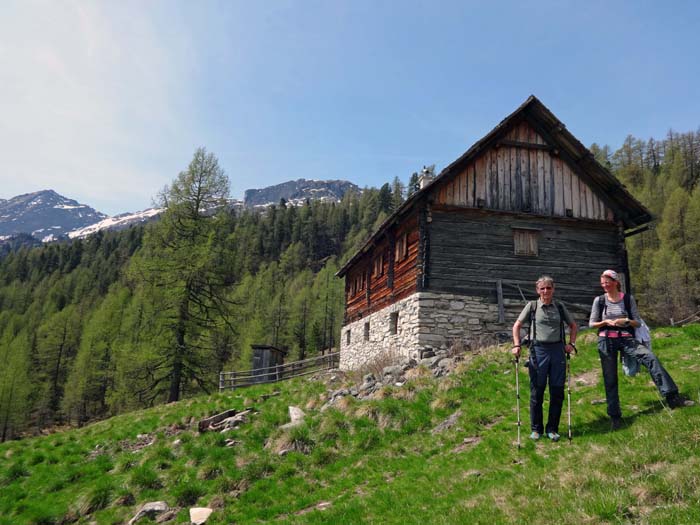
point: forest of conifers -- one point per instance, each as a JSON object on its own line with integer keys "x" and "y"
{"x": 123, "y": 320}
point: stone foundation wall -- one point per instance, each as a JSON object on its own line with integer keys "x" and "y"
{"x": 424, "y": 319}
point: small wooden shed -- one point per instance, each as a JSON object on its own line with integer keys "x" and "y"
{"x": 266, "y": 360}
{"x": 458, "y": 259}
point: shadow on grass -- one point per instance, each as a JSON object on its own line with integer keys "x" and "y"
{"x": 602, "y": 425}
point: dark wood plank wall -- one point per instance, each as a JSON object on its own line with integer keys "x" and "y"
{"x": 472, "y": 249}
{"x": 398, "y": 281}
{"x": 523, "y": 173}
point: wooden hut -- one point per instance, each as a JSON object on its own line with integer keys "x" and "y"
{"x": 461, "y": 255}
{"x": 266, "y": 362}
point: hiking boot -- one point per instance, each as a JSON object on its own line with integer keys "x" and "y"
{"x": 616, "y": 423}
{"x": 535, "y": 436}
{"x": 675, "y": 400}
{"x": 553, "y": 436}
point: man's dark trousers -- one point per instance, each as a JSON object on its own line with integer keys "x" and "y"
{"x": 547, "y": 364}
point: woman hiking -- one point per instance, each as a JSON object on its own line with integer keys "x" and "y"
{"x": 615, "y": 317}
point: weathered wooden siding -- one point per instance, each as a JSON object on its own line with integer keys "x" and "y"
{"x": 398, "y": 281}
{"x": 523, "y": 174}
{"x": 406, "y": 271}
{"x": 379, "y": 291}
{"x": 476, "y": 248}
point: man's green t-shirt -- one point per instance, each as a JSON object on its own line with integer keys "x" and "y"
{"x": 547, "y": 321}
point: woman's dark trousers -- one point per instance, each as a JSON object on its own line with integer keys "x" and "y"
{"x": 609, "y": 348}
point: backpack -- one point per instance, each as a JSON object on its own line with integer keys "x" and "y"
{"x": 630, "y": 365}
{"x": 532, "y": 332}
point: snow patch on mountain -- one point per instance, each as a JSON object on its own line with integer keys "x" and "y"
{"x": 118, "y": 222}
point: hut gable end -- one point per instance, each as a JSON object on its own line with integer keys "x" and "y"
{"x": 522, "y": 172}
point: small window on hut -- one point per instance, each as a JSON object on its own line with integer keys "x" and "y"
{"x": 393, "y": 322}
{"x": 347, "y": 337}
{"x": 401, "y": 247}
{"x": 366, "y": 331}
{"x": 378, "y": 266}
{"x": 525, "y": 242}
{"x": 358, "y": 284}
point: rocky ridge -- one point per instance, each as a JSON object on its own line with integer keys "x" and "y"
{"x": 296, "y": 192}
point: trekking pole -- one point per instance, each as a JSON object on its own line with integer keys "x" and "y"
{"x": 568, "y": 391}
{"x": 517, "y": 395}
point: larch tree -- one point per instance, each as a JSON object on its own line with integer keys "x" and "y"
{"x": 15, "y": 388}
{"x": 58, "y": 340}
{"x": 180, "y": 262}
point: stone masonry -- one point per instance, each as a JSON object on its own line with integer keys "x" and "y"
{"x": 422, "y": 320}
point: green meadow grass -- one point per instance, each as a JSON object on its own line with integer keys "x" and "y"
{"x": 377, "y": 461}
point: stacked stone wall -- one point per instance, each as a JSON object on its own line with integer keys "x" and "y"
{"x": 425, "y": 319}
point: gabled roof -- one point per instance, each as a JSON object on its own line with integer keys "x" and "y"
{"x": 628, "y": 209}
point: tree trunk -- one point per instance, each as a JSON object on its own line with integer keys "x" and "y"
{"x": 180, "y": 333}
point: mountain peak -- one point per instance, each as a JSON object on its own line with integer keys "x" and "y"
{"x": 298, "y": 191}
{"x": 44, "y": 214}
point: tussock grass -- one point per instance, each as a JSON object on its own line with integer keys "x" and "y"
{"x": 379, "y": 460}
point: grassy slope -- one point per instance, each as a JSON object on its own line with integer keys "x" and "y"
{"x": 378, "y": 461}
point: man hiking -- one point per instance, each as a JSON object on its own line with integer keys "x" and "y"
{"x": 547, "y": 359}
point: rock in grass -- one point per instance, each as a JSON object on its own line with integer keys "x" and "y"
{"x": 149, "y": 509}
{"x": 448, "y": 423}
{"x": 296, "y": 415}
{"x": 199, "y": 515}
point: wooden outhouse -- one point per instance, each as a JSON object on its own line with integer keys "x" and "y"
{"x": 267, "y": 360}
{"x": 460, "y": 257}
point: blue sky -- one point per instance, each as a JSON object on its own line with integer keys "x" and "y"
{"x": 105, "y": 102}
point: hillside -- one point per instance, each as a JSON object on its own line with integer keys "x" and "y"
{"x": 427, "y": 450}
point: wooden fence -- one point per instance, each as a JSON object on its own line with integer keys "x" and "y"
{"x": 272, "y": 374}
